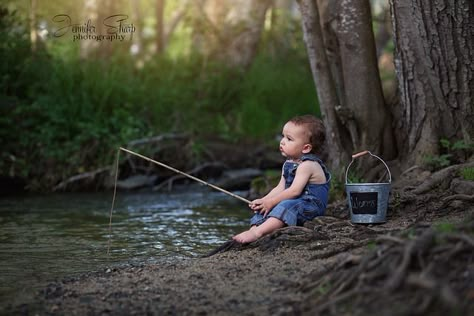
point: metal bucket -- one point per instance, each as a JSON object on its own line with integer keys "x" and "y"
{"x": 368, "y": 202}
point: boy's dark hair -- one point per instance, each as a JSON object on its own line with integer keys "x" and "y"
{"x": 315, "y": 128}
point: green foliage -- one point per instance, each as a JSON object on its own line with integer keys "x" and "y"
{"x": 451, "y": 153}
{"x": 371, "y": 245}
{"x": 14, "y": 47}
{"x": 467, "y": 173}
{"x": 354, "y": 177}
{"x": 322, "y": 289}
{"x": 444, "y": 227}
{"x": 273, "y": 84}
{"x": 410, "y": 233}
{"x": 61, "y": 115}
{"x": 438, "y": 162}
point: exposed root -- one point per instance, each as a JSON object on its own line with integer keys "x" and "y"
{"x": 441, "y": 178}
{"x": 410, "y": 272}
{"x": 403, "y": 267}
{"x": 457, "y": 197}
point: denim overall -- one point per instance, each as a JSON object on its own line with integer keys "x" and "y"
{"x": 311, "y": 203}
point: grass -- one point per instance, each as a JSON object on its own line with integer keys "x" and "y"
{"x": 467, "y": 173}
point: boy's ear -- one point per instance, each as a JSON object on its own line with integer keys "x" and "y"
{"x": 307, "y": 148}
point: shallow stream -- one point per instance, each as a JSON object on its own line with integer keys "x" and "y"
{"x": 45, "y": 238}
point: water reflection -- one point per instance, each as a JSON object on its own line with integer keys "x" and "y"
{"x": 48, "y": 237}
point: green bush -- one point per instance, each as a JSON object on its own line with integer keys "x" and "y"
{"x": 467, "y": 173}
{"x": 451, "y": 153}
{"x": 61, "y": 115}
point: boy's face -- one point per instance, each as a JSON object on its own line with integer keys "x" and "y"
{"x": 295, "y": 141}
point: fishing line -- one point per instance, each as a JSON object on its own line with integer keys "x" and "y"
{"x": 167, "y": 167}
{"x": 113, "y": 199}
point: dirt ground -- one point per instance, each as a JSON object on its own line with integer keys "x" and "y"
{"x": 420, "y": 262}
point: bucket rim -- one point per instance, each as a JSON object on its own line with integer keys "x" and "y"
{"x": 368, "y": 183}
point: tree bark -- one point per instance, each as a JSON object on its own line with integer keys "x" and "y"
{"x": 362, "y": 87}
{"x": 323, "y": 80}
{"x": 329, "y": 15}
{"x": 159, "y": 16}
{"x": 434, "y": 61}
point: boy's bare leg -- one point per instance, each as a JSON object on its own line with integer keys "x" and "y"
{"x": 255, "y": 232}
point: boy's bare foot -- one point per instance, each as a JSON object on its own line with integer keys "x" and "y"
{"x": 247, "y": 236}
{"x": 255, "y": 232}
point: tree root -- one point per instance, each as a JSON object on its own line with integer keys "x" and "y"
{"x": 441, "y": 178}
{"x": 327, "y": 236}
{"x": 413, "y": 268}
{"x": 456, "y": 197}
{"x": 403, "y": 269}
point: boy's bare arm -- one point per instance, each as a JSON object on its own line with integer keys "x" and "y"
{"x": 302, "y": 176}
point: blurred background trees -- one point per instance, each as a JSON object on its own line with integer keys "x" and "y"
{"x": 232, "y": 69}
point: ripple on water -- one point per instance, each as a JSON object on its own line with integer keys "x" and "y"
{"x": 47, "y": 237}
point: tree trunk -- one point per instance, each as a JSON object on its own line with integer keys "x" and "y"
{"x": 281, "y": 36}
{"x": 106, "y": 8}
{"x": 328, "y": 13}
{"x": 174, "y": 20}
{"x": 207, "y": 25}
{"x": 137, "y": 17}
{"x": 230, "y": 30}
{"x": 244, "y": 27}
{"x": 89, "y": 11}
{"x": 346, "y": 75}
{"x": 362, "y": 87}
{"x": 159, "y": 36}
{"x": 434, "y": 61}
{"x": 323, "y": 80}
{"x": 33, "y": 29}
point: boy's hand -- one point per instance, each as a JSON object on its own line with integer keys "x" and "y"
{"x": 255, "y": 204}
{"x": 261, "y": 205}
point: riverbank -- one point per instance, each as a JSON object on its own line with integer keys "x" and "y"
{"x": 231, "y": 282}
{"x": 281, "y": 280}
{"x": 419, "y": 262}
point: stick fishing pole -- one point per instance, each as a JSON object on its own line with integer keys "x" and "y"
{"x": 187, "y": 175}
{"x": 167, "y": 167}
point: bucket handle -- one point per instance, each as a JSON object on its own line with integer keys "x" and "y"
{"x": 365, "y": 152}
